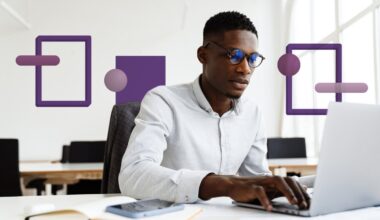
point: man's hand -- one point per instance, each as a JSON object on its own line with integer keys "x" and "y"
{"x": 249, "y": 189}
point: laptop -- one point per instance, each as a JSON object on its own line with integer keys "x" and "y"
{"x": 347, "y": 174}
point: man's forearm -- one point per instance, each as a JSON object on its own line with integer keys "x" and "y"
{"x": 214, "y": 186}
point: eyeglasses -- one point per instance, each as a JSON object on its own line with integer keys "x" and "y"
{"x": 237, "y": 55}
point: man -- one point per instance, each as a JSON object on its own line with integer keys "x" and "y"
{"x": 192, "y": 141}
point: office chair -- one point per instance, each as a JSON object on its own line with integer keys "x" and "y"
{"x": 119, "y": 131}
{"x": 84, "y": 152}
{"x": 9, "y": 168}
{"x": 286, "y": 148}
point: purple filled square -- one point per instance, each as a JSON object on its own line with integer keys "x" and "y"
{"x": 143, "y": 73}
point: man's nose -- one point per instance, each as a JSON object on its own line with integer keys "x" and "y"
{"x": 243, "y": 67}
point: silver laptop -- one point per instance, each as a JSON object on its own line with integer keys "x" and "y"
{"x": 347, "y": 173}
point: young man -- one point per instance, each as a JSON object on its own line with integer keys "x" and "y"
{"x": 203, "y": 140}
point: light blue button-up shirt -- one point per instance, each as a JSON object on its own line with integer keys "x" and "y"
{"x": 179, "y": 139}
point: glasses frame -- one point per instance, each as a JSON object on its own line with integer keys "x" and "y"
{"x": 229, "y": 54}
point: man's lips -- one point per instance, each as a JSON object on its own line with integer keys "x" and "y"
{"x": 242, "y": 81}
{"x": 239, "y": 84}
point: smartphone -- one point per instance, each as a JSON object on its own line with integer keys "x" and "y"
{"x": 144, "y": 208}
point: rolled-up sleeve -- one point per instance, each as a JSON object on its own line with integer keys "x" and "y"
{"x": 256, "y": 163}
{"x": 141, "y": 174}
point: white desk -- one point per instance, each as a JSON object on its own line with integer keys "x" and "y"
{"x": 94, "y": 170}
{"x": 214, "y": 209}
{"x": 69, "y": 173}
{"x": 60, "y": 173}
{"x": 49, "y": 168}
{"x": 305, "y": 166}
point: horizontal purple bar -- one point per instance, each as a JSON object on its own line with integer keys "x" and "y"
{"x": 341, "y": 87}
{"x": 37, "y": 60}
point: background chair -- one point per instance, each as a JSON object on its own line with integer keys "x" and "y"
{"x": 287, "y": 148}
{"x": 119, "y": 131}
{"x": 84, "y": 152}
{"x": 77, "y": 152}
{"x": 9, "y": 168}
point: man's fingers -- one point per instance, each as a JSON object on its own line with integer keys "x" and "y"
{"x": 262, "y": 196}
{"x": 305, "y": 194}
{"x": 298, "y": 191}
{"x": 285, "y": 189}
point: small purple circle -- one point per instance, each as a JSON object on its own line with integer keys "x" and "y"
{"x": 115, "y": 80}
{"x": 288, "y": 64}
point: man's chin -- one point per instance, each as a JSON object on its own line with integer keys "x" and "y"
{"x": 234, "y": 96}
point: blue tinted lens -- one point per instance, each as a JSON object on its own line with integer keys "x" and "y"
{"x": 253, "y": 59}
{"x": 236, "y": 56}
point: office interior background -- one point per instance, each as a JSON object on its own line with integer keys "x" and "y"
{"x": 173, "y": 28}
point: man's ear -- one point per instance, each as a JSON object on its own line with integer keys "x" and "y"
{"x": 202, "y": 55}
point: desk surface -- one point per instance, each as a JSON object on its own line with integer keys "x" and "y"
{"x": 42, "y": 169}
{"x": 218, "y": 208}
{"x": 46, "y": 167}
{"x": 293, "y": 162}
{"x": 59, "y": 173}
{"x": 28, "y": 168}
{"x": 303, "y": 166}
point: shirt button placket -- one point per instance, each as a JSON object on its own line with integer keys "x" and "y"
{"x": 222, "y": 145}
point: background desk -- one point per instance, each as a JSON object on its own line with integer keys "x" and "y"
{"x": 214, "y": 209}
{"x": 70, "y": 173}
{"x": 305, "y": 166}
{"x": 94, "y": 170}
{"x": 60, "y": 173}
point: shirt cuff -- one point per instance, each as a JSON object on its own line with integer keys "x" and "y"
{"x": 188, "y": 182}
{"x": 307, "y": 181}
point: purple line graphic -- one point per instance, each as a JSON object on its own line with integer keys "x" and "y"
{"x": 341, "y": 87}
{"x": 338, "y": 77}
{"x": 143, "y": 72}
{"x": 32, "y": 60}
{"x": 87, "y": 101}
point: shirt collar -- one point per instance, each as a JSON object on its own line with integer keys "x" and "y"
{"x": 201, "y": 98}
{"x": 205, "y": 105}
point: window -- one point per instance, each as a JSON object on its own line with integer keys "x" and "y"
{"x": 354, "y": 24}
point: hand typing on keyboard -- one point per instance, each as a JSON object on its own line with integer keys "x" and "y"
{"x": 249, "y": 189}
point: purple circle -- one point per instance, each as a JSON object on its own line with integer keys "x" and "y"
{"x": 115, "y": 80}
{"x": 288, "y": 64}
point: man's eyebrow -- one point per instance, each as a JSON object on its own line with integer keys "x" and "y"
{"x": 232, "y": 47}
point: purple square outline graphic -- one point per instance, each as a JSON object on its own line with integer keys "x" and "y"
{"x": 87, "y": 101}
{"x": 338, "y": 77}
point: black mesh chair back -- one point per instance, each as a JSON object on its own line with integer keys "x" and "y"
{"x": 9, "y": 168}
{"x": 286, "y": 148}
{"x": 120, "y": 129}
{"x": 84, "y": 152}
{"x": 65, "y": 154}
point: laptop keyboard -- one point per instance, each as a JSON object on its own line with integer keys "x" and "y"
{"x": 283, "y": 205}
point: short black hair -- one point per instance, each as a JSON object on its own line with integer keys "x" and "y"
{"x": 228, "y": 21}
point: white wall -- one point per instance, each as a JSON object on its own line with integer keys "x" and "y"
{"x": 124, "y": 27}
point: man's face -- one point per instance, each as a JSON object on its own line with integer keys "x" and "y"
{"x": 226, "y": 78}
